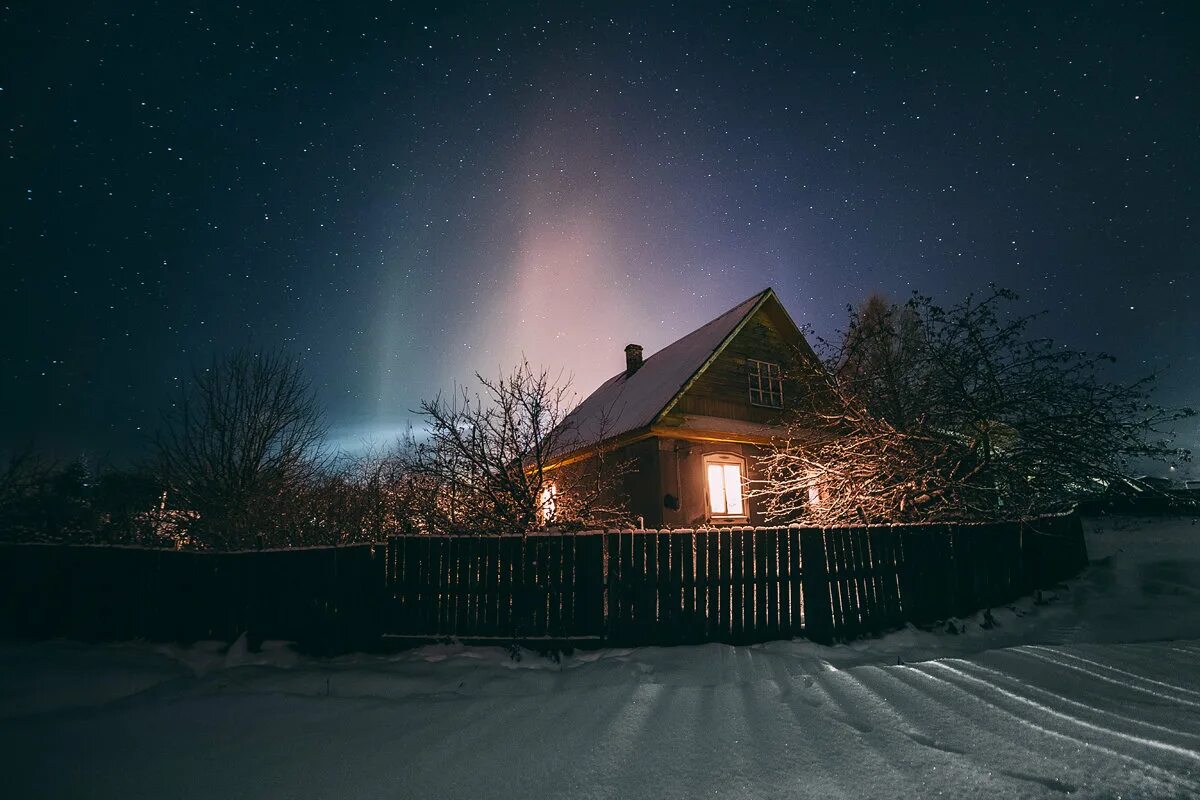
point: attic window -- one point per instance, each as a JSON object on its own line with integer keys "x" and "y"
{"x": 766, "y": 383}
{"x": 724, "y": 475}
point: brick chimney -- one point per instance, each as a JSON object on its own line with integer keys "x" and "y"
{"x": 633, "y": 358}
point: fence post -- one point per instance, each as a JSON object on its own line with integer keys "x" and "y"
{"x": 965, "y": 543}
{"x": 818, "y": 620}
{"x": 1079, "y": 553}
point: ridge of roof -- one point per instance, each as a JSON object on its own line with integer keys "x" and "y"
{"x": 626, "y": 403}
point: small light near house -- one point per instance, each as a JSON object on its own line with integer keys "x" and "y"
{"x": 548, "y": 503}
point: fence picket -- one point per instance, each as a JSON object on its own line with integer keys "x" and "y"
{"x": 429, "y": 579}
{"x": 698, "y": 623}
{"x": 838, "y": 599}
{"x": 724, "y": 587}
{"x": 570, "y": 586}
{"x": 737, "y": 579}
{"x": 456, "y": 590}
{"x": 818, "y": 612}
{"x": 590, "y": 566}
{"x": 796, "y": 582}
{"x": 769, "y": 623}
{"x": 612, "y": 592}
{"x": 784, "y": 588}
{"x": 865, "y": 566}
{"x": 630, "y": 573}
{"x": 678, "y": 613}
{"x": 668, "y": 597}
{"x": 712, "y": 572}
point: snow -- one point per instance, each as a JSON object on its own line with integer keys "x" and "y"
{"x": 1094, "y": 692}
{"x": 625, "y": 403}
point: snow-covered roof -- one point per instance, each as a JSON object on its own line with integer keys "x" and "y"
{"x": 625, "y": 403}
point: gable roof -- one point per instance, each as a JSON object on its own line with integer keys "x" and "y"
{"x": 626, "y": 403}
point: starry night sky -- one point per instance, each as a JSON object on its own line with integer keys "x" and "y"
{"x": 403, "y": 194}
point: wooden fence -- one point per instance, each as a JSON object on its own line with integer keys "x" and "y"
{"x": 628, "y": 587}
{"x": 731, "y": 585}
{"x": 324, "y": 597}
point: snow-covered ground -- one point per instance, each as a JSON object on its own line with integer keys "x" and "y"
{"x": 1094, "y": 693}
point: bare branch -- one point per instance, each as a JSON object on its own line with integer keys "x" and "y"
{"x": 924, "y": 414}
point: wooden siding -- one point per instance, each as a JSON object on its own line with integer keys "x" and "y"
{"x": 643, "y": 485}
{"x": 639, "y": 491}
{"x": 723, "y": 389}
{"x": 669, "y": 470}
{"x": 682, "y": 475}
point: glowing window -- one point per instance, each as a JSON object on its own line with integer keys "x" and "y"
{"x": 548, "y": 503}
{"x": 766, "y": 383}
{"x": 724, "y": 474}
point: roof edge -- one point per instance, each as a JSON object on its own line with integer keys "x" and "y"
{"x": 589, "y": 450}
{"x": 763, "y": 297}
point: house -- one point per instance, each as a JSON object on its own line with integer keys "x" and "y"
{"x": 690, "y": 419}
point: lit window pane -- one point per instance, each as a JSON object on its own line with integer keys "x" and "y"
{"x": 716, "y": 489}
{"x": 725, "y": 490}
{"x": 733, "y": 488}
{"x": 548, "y": 503}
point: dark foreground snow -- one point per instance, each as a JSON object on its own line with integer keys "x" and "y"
{"x": 1093, "y": 694}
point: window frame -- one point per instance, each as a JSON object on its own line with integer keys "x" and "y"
{"x": 724, "y": 460}
{"x": 766, "y": 379}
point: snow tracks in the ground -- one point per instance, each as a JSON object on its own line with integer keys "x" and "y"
{"x": 1104, "y": 720}
{"x": 1041, "y": 699}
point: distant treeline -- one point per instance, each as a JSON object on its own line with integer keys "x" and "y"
{"x": 349, "y": 500}
{"x": 241, "y": 461}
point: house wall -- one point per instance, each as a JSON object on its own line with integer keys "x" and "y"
{"x": 724, "y": 391}
{"x": 681, "y": 475}
{"x": 638, "y": 490}
{"x": 643, "y": 483}
{"x": 669, "y": 472}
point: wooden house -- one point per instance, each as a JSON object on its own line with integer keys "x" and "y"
{"x": 691, "y": 418}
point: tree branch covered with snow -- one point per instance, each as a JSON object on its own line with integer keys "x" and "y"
{"x": 925, "y": 413}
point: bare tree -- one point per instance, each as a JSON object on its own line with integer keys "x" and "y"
{"x": 590, "y": 493}
{"x": 25, "y": 478}
{"x": 922, "y": 413}
{"x": 487, "y": 462}
{"x": 879, "y": 361}
{"x": 243, "y": 441}
{"x": 365, "y": 497}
